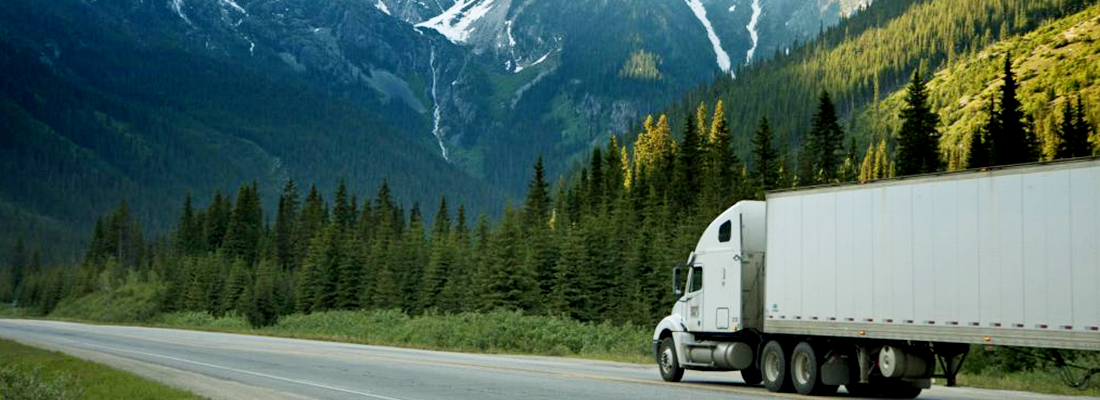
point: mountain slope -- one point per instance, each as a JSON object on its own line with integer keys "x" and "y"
{"x": 869, "y": 55}
{"x": 1053, "y": 64}
{"x": 97, "y": 110}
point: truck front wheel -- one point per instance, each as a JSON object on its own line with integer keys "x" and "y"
{"x": 774, "y": 366}
{"x": 671, "y": 371}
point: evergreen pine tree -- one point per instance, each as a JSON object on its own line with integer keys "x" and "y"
{"x": 286, "y": 226}
{"x": 311, "y": 277}
{"x": 236, "y": 283}
{"x": 573, "y": 289}
{"x": 824, "y": 144}
{"x": 481, "y": 261}
{"x": 325, "y": 293}
{"x": 262, "y": 307}
{"x": 688, "y": 169}
{"x": 217, "y": 221}
{"x": 352, "y": 262}
{"x": 722, "y": 164}
{"x": 510, "y": 283}
{"x": 189, "y": 238}
{"x": 457, "y": 284}
{"x": 918, "y": 140}
{"x": 242, "y": 239}
{"x": 1011, "y": 141}
{"x": 765, "y": 158}
{"x": 311, "y": 223}
{"x": 440, "y": 262}
{"x": 414, "y": 253}
{"x": 536, "y": 209}
{"x": 1074, "y": 132}
{"x": 594, "y": 189}
{"x": 341, "y": 209}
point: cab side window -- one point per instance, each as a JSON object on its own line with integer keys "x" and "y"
{"x": 696, "y": 280}
{"x": 725, "y": 231}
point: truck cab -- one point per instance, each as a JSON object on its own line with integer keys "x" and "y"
{"x": 716, "y": 321}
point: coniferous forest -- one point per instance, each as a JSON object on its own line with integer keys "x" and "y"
{"x": 597, "y": 245}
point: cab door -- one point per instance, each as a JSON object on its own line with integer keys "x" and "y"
{"x": 694, "y": 299}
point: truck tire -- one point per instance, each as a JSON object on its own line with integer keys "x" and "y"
{"x": 751, "y": 376}
{"x": 774, "y": 368}
{"x": 671, "y": 370}
{"x": 806, "y": 371}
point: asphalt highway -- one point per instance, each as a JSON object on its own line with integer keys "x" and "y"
{"x": 231, "y": 366}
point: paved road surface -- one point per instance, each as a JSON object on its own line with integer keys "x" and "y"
{"x": 229, "y": 366}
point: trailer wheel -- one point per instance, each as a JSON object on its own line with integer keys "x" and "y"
{"x": 806, "y": 371}
{"x": 751, "y": 376}
{"x": 671, "y": 370}
{"x": 774, "y": 368}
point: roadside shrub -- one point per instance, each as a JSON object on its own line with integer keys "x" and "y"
{"x": 133, "y": 301}
{"x": 22, "y": 383}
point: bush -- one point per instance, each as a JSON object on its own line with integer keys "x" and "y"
{"x": 133, "y": 301}
{"x": 23, "y": 383}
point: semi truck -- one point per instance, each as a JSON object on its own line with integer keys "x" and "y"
{"x": 871, "y": 286}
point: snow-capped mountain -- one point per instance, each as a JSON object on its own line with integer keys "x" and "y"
{"x": 477, "y": 86}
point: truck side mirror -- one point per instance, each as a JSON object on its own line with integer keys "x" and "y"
{"x": 676, "y": 279}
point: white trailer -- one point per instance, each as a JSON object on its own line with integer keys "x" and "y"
{"x": 869, "y": 285}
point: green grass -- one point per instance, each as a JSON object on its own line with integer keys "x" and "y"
{"x": 31, "y": 373}
{"x": 1032, "y": 381}
{"x": 500, "y": 332}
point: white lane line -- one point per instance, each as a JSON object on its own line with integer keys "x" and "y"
{"x": 260, "y": 374}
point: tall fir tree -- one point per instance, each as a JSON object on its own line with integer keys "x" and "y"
{"x": 509, "y": 283}
{"x": 440, "y": 260}
{"x": 1011, "y": 140}
{"x": 688, "y": 169}
{"x": 457, "y": 284}
{"x": 217, "y": 221}
{"x": 824, "y": 146}
{"x": 242, "y": 238}
{"x": 286, "y": 223}
{"x": 261, "y": 307}
{"x": 311, "y": 222}
{"x": 350, "y": 266}
{"x": 536, "y": 209}
{"x": 1074, "y": 131}
{"x": 237, "y": 282}
{"x": 765, "y": 158}
{"x": 722, "y": 166}
{"x": 918, "y": 139}
{"x": 342, "y": 213}
{"x": 189, "y": 240}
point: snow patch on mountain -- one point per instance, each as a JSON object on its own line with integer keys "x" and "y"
{"x": 177, "y": 6}
{"x": 701, "y": 13}
{"x": 382, "y": 6}
{"x": 752, "y": 30}
{"x": 539, "y": 61}
{"x": 235, "y": 6}
{"x": 455, "y": 23}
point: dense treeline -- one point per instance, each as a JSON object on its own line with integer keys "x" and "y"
{"x": 594, "y": 247}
